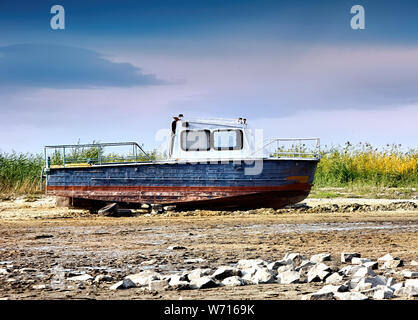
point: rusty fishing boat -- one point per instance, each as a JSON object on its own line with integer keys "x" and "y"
{"x": 208, "y": 163}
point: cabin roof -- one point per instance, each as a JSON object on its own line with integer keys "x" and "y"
{"x": 234, "y": 123}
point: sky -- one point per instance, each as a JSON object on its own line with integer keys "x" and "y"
{"x": 120, "y": 70}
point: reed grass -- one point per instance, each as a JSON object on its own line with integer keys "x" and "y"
{"x": 364, "y": 165}
{"x": 20, "y": 172}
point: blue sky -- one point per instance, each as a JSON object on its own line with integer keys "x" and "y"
{"x": 121, "y": 69}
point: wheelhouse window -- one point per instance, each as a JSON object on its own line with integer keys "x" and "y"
{"x": 229, "y": 139}
{"x": 195, "y": 140}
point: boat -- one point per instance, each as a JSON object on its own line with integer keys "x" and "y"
{"x": 208, "y": 164}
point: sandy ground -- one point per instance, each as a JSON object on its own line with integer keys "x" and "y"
{"x": 41, "y": 244}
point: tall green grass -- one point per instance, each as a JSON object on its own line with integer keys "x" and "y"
{"x": 20, "y": 172}
{"x": 364, "y": 165}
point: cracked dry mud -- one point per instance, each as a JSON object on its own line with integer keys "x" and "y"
{"x": 44, "y": 245}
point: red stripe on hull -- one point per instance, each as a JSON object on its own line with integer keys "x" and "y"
{"x": 217, "y": 197}
{"x": 293, "y": 186}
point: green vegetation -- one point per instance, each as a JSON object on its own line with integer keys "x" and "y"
{"x": 363, "y": 165}
{"x": 20, "y": 173}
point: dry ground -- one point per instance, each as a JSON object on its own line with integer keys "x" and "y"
{"x": 58, "y": 242}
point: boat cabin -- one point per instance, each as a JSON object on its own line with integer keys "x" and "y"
{"x": 210, "y": 139}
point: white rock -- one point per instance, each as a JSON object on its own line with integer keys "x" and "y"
{"x": 333, "y": 289}
{"x": 385, "y": 258}
{"x": 409, "y": 274}
{"x": 226, "y": 272}
{"x": 248, "y": 273}
{"x": 179, "y": 278}
{"x": 371, "y": 282}
{"x": 320, "y": 267}
{"x": 414, "y": 263}
{"x": 304, "y": 265}
{"x": 143, "y": 278}
{"x": 413, "y": 283}
{"x": 390, "y": 282}
{"x": 103, "y": 278}
{"x": 400, "y": 291}
{"x": 276, "y": 264}
{"x": 83, "y": 277}
{"x": 362, "y": 286}
{"x": 397, "y": 286}
{"x": 356, "y": 260}
{"x": 179, "y": 285}
{"x": 39, "y": 287}
{"x": 285, "y": 268}
{"x": 288, "y": 277}
{"x": 250, "y": 263}
{"x": 352, "y": 283}
{"x": 148, "y": 262}
{"x": 391, "y": 264}
{"x": 196, "y": 260}
{"x": 349, "y": 270}
{"x": 233, "y": 281}
{"x": 317, "y": 276}
{"x": 3, "y": 271}
{"x": 334, "y": 278}
{"x": 371, "y": 264}
{"x": 321, "y": 257}
{"x": 376, "y": 281}
{"x": 28, "y": 270}
{"x": 202, "y": 283}
{"x": 158, "y": 285}
{"x": 176, "y": 247}
{"x": 346, "y": 257}
{"x": 370, "y": 292}
{"x": 407, "y": 291}
{"x": 262, "y": 275}
{"x": 318, "y": 272}
{"x": 124, "y": 284}
{"x": 363, "y": 272}
{"x": 198, "y": 273}
{"x": 350, "y": 296}
{"x": 385, "y": 293}
{"x": 169, "y": 208}
{"x": 294, "y": 258}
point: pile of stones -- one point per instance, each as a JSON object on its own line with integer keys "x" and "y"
{"x": 300, "y": 207}
{"x": 356, "y": 280}
{"x": 352, "y": 277}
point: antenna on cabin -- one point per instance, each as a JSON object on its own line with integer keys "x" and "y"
{"x": 242, "y": 120}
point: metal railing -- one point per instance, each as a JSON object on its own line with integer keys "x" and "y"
{"x": 91, "y": 154}
{"x": 272, "y": 148}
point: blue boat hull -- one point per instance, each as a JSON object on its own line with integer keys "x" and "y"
{"x": 205, "y": 185}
